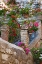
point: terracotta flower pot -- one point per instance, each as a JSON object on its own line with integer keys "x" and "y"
{"x": 25, "y": 15}
{"x": 38, "y": 10}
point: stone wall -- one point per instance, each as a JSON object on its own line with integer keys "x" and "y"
{"x": 5, "y": 32}
{"x": 12, "y": 54}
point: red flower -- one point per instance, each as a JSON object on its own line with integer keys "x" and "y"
{"x": 38, "y": 10}
{"x": 11, "y": 34}
{"x": 36, "y": 24}
{"x": 32, "y": 30}
{"x": 14, "y": 34}
{"x": 40, "y": 62}
{"x": 27, "y": 50}
{"x": 20, "y": 43}
{"x": 23, "y": 47}
{"x": 13, "y": 30}
{"x": 12, "y": 16}
{"x": 30, "y": 26}
{"x": 18, "y": 25}
{"x": 12, "y": 20}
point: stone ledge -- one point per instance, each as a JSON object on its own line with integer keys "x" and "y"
{"x": 34, "y": 42}
{"x": 12, "y": 54}
{"x": 10, "y": 45}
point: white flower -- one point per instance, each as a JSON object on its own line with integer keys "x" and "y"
{"x": 41, "y": 55}
{"x": 38, "y": 50}
{"x": 0, "y": 8}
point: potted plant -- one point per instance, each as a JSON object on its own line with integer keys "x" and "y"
{"x": 33, "y": 27}
{"x": 38, "y": 10}
{"x": 24, "y": 24}
{"x": 25, "y": 12}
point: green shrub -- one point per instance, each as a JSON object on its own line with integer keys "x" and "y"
{"x": 37, "y": 52}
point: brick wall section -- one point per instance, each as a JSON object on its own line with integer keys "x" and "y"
{"x": 12, "y": 54}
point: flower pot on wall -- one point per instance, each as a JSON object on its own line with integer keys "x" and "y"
{"x": 38, "y": 10}
{"x": 25, "y": 15}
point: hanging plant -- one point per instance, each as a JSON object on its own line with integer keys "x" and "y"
{"x": 25, "y": 12}
{"x": 11, "y": 2}
{"x": 14, "y": 26}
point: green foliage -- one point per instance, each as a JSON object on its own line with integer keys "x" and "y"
{"x": 14, "y": 32}
{"x": 18, "y": 15}
{"x": 12, "y": 24}
{"x": 1, "y": 23}
{"x": 24, "y": 11}
{"x": 33, "y": 20}
{"x": 36, "y": 54}
{"x": 11, "y": 13}
{"x": 2, "y": 12}
{"x": 40, "y": 13}
{"x": 25, "y": 22}
{"x": 16, "y": 8}
{"x": 34, "y": 28}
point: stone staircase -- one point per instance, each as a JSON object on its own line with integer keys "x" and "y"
{"x": 12, "y": 54}
{"x": 36, "y": 42}
{"x": 24, "y": 36}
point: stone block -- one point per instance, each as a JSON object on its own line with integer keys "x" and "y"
{"x": 5, "y": 57}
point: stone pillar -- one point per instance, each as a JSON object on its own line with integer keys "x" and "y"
{"x": 5, "y": 32}
{"x": 24, "y": 35}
